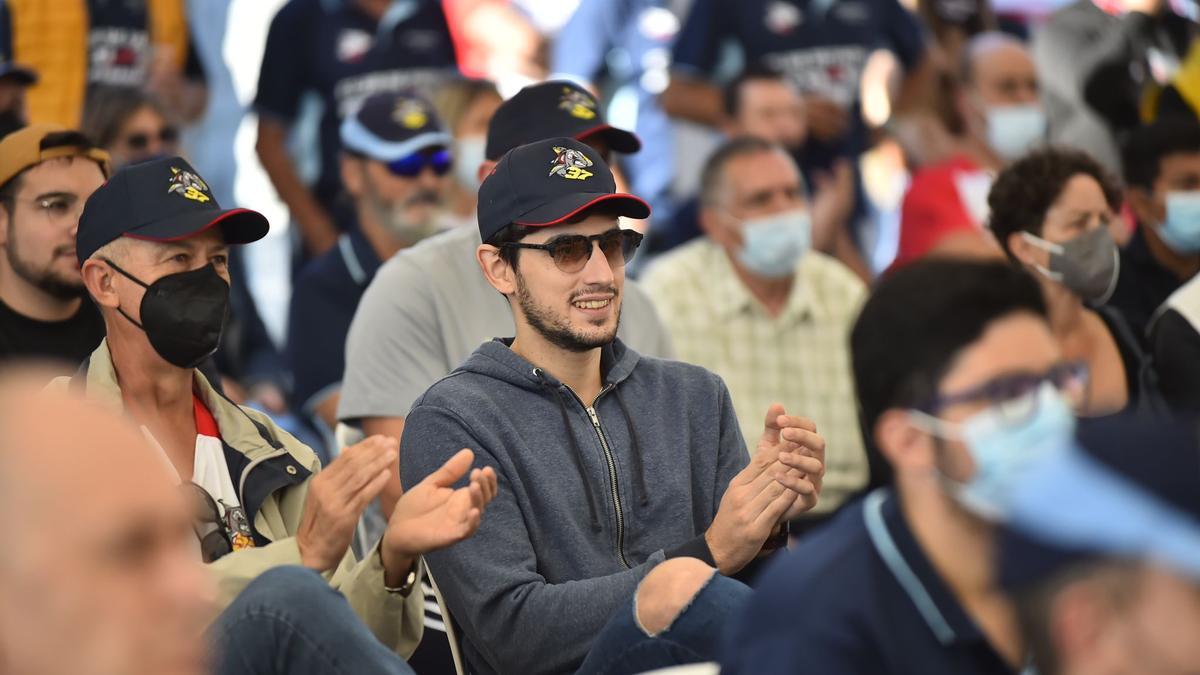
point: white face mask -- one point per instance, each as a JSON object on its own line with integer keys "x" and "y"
{"x": 469, "y": 153}
{"x": 773, "y": 245}
{"x": 1014, "y": 129}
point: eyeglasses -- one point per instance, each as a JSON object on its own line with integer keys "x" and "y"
{"x": 572, "y": 252}
{"x": 210, "y": 526}
{"x": 141, "y": 140}
{"x": 1013, "y": 395}
{"x": 441, "y": 161}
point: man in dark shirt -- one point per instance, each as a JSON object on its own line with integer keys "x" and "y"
{"x": 395, "y": 157}
{"x": 46, "y": 175}
{"x": 961, "y": 387}
{"x": 343, "y": 51}
{"x": 1162, "y": 172}
{"x": 822, "y": 45}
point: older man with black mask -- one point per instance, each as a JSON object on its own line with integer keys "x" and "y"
{"x": 153, "y": 245}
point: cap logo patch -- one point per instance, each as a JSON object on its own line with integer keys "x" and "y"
{"x": 410, "y": 115}
{"x": 570, "y": 163}
{"x": 188, "y": 185}
{"x": 577, "y": 104}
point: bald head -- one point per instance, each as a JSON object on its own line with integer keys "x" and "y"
{"x": 998, "y": 68}
{"x": 100, "y": 572}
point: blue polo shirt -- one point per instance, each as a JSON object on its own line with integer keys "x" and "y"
{"x": 822, "y": 45}
{"x": 858, "y": 596}
{"x": 330, "y": 48}
{"x": 325, "y": 296}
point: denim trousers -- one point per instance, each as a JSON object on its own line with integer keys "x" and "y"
{"x": 291, "y": 621}
{"x": 624, "y": 647}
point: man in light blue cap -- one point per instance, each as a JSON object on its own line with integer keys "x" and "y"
{"x": 1102, "y": 553}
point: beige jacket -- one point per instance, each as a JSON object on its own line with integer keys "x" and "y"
{"x": 271, "y": 471}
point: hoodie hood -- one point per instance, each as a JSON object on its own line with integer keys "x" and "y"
{"x": 496, "y": 359}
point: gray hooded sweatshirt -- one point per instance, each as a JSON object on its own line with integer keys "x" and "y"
{"x": 592, "y": 494}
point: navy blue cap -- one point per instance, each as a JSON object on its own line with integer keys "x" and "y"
{"x": 159, "y": 200}
{"x": 1132, "y": 491}
{"x": 16, "y": 71}
{"x": 549, "y": 109}
{"x": 548, "y": 182}
{"x": 392, "y": 126}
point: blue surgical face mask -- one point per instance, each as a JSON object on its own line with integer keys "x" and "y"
{"x": 1013, "y": 129}
{"x": 773, "y": 245}
{"x": 1003, "y": 450}
{"x": 1181, "y": 229}
{"x": 469, "y": 153}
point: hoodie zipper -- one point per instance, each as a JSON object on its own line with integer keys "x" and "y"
{"x": 612, "y": 481}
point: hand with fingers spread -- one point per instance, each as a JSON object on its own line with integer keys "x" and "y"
{"x": 434, "y": 515}
{"x": 783, "y": 479}
{"x": 337, "y": 497}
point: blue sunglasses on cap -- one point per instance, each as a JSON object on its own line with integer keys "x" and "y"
{"x": 441, "y": 161}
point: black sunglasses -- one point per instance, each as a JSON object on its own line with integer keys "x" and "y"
{"x": 572, "y": 252}
{"x": 141, "y": 140}
{"x": 210, "y": 527}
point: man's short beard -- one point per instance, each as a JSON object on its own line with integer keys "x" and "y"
{"x": 555, "y": 329}
{"x": 45, "y": 280}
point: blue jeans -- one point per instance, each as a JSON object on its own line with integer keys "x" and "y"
{"x": 624, "y": 647}
{"x": 289, "y": 621}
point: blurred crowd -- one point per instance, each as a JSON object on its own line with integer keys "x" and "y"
{"x": 600, "y": 336}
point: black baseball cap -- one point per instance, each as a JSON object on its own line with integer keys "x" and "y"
{"x": 547, "y": 182}
{"x": 11, "y": 70}
{"x": 160, "y": 200}
{"x": 549, "y": 109}
{"x": 391, "y": 126}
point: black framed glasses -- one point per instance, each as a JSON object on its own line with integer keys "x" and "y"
{"x": 1014, "y": 396}
{"x": 571, "y": 252}
{"x": 215, "y": 539}
{"x": 441, "y": 161}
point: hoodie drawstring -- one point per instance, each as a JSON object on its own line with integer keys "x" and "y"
{"x": 577, "y": 455}
{"x": 639, "y": 467}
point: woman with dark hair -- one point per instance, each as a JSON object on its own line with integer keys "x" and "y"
{"x": 130, "y": 124}
{"x": 1050, "y": 211}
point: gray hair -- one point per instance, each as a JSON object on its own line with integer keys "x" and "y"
{"x": 712, "y": 177}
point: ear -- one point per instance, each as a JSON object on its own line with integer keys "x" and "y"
{"x": 352, "y": 174}
{"x": 1026, "y": 252}
{"x": 485, "y": 169}
{"x": 1143, "y": 205}
{"x": 98, "y": 279}
{"x": 4, "y": 221}
{"x": 902, "y": 444}
{"x": 498, "y": 273}
{"x": 713, "y": 224}
{"x": 1076, "y": 623}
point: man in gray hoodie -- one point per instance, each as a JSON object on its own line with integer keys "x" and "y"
{"x": 624, "y": 480}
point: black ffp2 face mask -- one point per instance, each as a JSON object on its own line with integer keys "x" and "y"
{"x": 183, "y": 314}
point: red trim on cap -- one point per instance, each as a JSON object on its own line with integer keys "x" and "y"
{"x": 597, "y": 200}
{"x": 604, "y": 127}
{"x": 206, "y": 228}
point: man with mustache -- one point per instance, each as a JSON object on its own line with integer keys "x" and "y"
{"x": 46, "y": 174}
{"x": 395, "y": 159}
